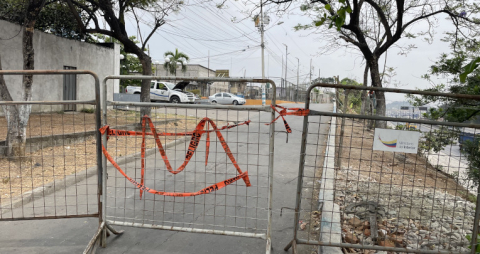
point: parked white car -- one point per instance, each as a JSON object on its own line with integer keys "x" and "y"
{"x": 226, "y": 98}
{"x": 165, "y": 91}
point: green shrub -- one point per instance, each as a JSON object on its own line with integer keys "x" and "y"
{"x": 88, "y": 110}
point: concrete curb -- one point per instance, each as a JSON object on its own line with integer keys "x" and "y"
{"x": 69, "y": 180}
{"x": 330, "y": 227}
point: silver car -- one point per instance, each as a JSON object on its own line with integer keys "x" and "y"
{"x": 226, "y": 98}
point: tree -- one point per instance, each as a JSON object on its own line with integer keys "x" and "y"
{"x": 175, "y": 59}
{"x": 130, "y": 63}
{"x": 51, "y": 17}
{"x": 115, "y": 14}
{"x": 374, "y": 26}
{"x": 17, "y": 115}
{"x": 354, "y": 96}
{"x": 329, "y": 80}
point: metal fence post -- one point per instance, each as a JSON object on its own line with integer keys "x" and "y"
{"x": 301, "y": 167}
{"x": 475, "y": 231}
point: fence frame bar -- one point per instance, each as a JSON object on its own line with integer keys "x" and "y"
{"x": 105, "y": 103}
{"x": 295, "y": 240}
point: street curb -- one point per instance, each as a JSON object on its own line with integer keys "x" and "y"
{"x": 69, "y": 180}
{"x": 330, "y": 227}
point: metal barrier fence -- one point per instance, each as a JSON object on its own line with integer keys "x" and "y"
{"x": 51, "y": 177}
{"x": 210, "y": 193}
{"x": 377, "y": 189}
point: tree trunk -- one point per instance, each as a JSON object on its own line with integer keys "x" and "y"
{"x": 17, "y": 116}
{"x": 379, "y": 95}
{"x": 363, "y": 96}
{"x": 369, "y": 105}
{"x": 145, "y": 90}
{"x": 17, "y": 119}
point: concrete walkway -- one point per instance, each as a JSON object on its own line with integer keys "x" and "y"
{"x": 72, "y": 235}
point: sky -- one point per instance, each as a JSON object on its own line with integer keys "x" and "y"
{"x": 201, "y": 29}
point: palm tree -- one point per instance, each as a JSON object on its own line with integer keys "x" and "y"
{"x": 173, "y": 59}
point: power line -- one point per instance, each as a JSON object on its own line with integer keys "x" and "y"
{"x": 227, "y": 52}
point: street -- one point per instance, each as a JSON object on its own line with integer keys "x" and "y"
{"x": 234, "y": 208}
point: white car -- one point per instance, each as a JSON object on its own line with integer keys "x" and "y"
{"x": 226, "y": 98}
{"x": 165, "y": 91}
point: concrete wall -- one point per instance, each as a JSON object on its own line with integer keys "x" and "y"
{"x": 54, "y": 53}
{"x": 193, "y": 70}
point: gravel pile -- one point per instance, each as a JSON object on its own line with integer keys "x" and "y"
{"x": 406, "y": 217}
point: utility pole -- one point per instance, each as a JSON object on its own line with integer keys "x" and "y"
{"x": 263, "y": 51}
{"x": 310, "y": 71}
{"x": 208, "y": 73}
{"x": 281, "y": 83}
{"x": 286, "y": 69}
{"x": 310, "y": 83}
{"x": 298, "y": 73}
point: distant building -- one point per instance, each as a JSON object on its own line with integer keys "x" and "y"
{"x": 206, "y": 88}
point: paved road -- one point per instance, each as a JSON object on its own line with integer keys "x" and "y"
{"x": 234, "y": 207}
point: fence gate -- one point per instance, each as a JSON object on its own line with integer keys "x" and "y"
{"x": 193, "y": 168}
{"x": 394, "y": 188}
{"x": 52, "y": 178}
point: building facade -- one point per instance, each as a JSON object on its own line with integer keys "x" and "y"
{"x": 56, "y": 53}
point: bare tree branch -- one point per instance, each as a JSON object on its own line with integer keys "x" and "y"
{"x": 382, "y": 17}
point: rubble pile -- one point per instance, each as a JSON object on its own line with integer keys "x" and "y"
{"x": 401, "y": 216}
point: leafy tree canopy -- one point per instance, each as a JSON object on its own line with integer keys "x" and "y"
{"x": 130, "y": 63}
{"x": 55, "y": 18}
{"x": 451, "y": 66}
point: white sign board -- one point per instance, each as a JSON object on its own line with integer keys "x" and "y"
{"x": 396, "y": 140}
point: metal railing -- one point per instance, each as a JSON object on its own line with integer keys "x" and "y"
{"x": 212, "y": 158}
{"x": 373, "y": 190}
{"x": 52, "y": 177}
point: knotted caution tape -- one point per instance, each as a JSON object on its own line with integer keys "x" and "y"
{"x": 283, "y": 112}
{"x": 196, "y": 136}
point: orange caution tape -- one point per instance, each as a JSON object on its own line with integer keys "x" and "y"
{"x": 283, "y": 112}
{"x": 196, "y": 136}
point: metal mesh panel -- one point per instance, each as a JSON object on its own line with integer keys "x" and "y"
{"x": 56, "y": 176}
{"x": 235, "y": 209}
{"x": 358, "y": 197}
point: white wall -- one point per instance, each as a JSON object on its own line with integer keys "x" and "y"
{"x": 53, "y": 53}
{"x": 193, "y": 70}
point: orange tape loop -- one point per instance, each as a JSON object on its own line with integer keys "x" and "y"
{"x": 196, "y": 136}
{"x": 283, "y": 112}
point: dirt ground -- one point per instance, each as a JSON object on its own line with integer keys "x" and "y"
{"x": 400, "y": 169}
{"x": 417, "y": 206}
{"x": 53, "y": 163}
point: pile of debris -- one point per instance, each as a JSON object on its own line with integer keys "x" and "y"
{"x": 401, "y": 216}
